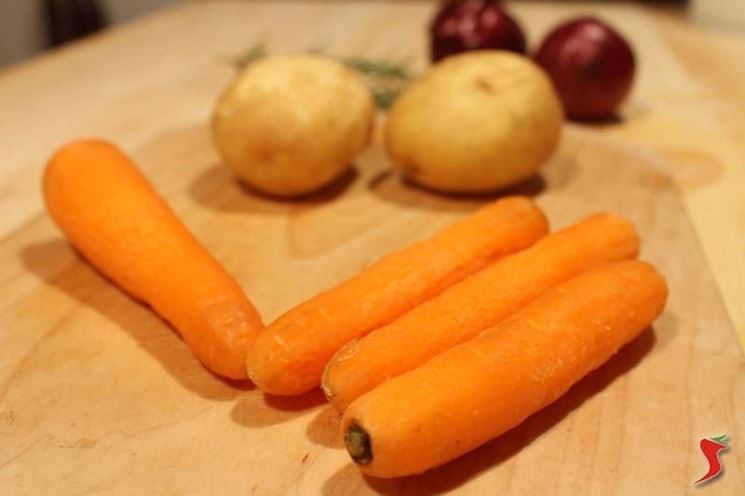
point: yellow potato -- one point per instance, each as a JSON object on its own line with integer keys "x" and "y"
{"x": 475, "y": 122}
{"x": 288, "y": 125}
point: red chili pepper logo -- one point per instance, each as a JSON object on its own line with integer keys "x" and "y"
{"x": 711, "y": 447}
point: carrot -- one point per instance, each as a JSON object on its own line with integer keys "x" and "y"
{"x": 289, "y": 356}
{"x": 115, "y": 218}
{"x": 479, "y": 389}
{"x": 480, "y": 301}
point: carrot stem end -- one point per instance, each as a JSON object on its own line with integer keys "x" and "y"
{"x": 357, "y": 441}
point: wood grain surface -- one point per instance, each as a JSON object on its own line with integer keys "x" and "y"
{"x": 164, "y": 72}
{"x": 97, "y": 395}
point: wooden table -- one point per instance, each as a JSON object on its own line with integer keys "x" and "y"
{"x": 153, "y": 82}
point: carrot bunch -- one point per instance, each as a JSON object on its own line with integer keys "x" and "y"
{"x": 426, "y": 365}
{"x": 429, "y": 352}
{"x": 440, "y": 347}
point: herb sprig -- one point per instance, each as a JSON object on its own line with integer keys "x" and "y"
{"x": 385, "y": 78}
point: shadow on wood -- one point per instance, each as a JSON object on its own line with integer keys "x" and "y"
{"x": 256, "y": 409}
{"x": 217, "y": 188}
{"x": 392, "y": 187}
{"x": 324, "y": 428}
{"x": 152, "y": 334}
{"x": 491, "y": 455}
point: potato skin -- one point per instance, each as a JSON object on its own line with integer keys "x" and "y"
{"x": 288, "y": 125}
{"x": 476, "y": 122}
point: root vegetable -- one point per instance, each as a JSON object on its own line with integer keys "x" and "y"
{"x": 477, "y": 390}
{"x": 465, "y": 309}
{"x": 288, "y": 358}
{"x": 115, "y": 218}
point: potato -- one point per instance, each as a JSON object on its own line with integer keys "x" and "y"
{"x": 288, "y": 125}
{"x": 476, "y": 122}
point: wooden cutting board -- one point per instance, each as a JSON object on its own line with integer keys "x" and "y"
{"x": 100, "y": 396}
{"x": 97, "y": 395}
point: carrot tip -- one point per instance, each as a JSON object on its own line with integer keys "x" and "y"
{"x": 358, "y": 444}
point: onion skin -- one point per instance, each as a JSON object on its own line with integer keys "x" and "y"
{"x": 591, "y": 65}
{"x": 466, "y": 25}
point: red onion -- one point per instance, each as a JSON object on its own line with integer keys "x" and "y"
{"x": 471, "y": 25}
{"x": 591, "y": 65}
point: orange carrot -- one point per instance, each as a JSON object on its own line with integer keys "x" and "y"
{"x": 479, "y": 389}
{"x": 115, "y": 218}
{"x": 476, "y": 303}
{"x": 289, "y": 356}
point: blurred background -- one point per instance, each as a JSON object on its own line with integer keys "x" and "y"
{"x": 28, "y": 27}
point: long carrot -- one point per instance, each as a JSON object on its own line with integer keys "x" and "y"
{"x": 474, "y": 304}
{"x": 479, "y": 389}
{"x": 115, "y": 218}
{"x": 289, "y": 356}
